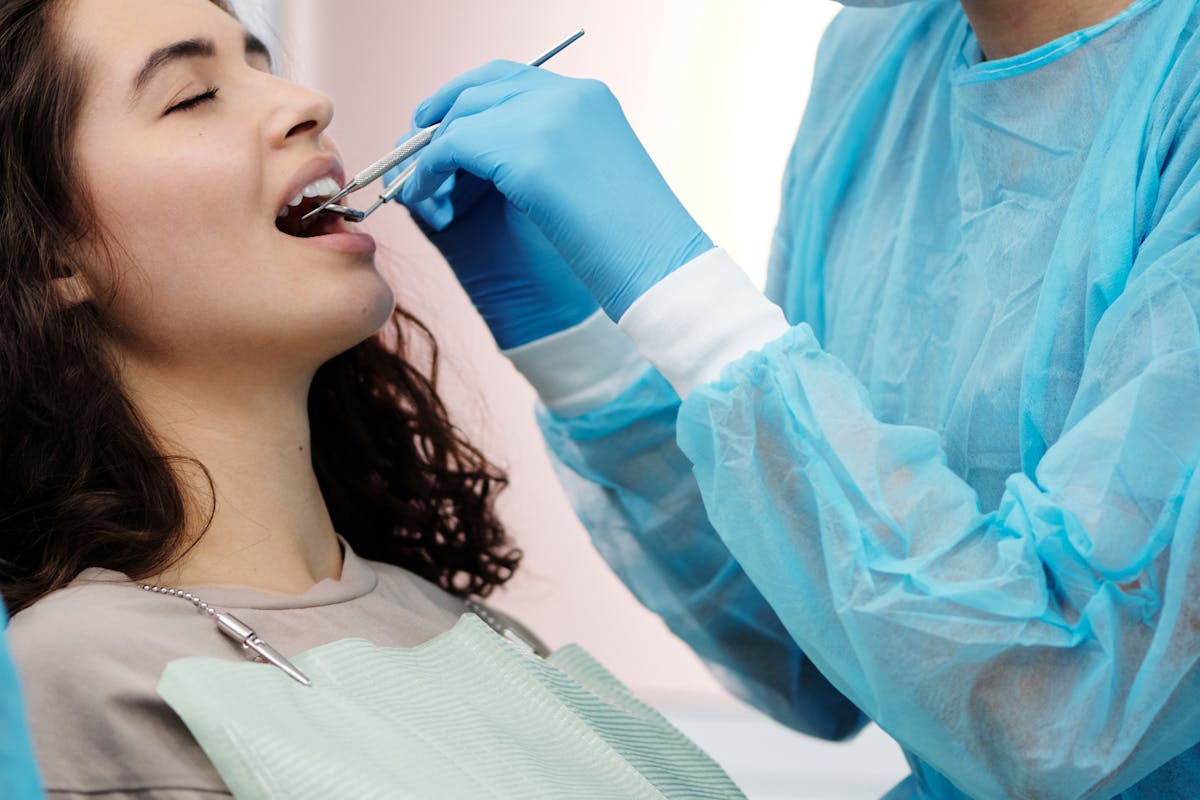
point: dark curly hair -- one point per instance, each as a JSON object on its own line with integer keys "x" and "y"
{"x": 82, "y": 480}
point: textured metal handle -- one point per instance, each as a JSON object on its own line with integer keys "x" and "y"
{"x": 419, "y": 140}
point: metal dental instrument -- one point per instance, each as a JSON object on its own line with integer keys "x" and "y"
{"x": 404, "y": 151}
{"x": 349, "y": 214}
{"x": 252, "y": 644}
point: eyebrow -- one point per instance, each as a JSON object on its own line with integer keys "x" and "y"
{"x": 198, "y": 47}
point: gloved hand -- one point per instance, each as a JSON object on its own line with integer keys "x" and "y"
{"x": 516, "y": 279}
{"x": 560, "y": 150}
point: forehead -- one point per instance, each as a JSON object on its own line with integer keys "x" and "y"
{"x": 116, "y": 36}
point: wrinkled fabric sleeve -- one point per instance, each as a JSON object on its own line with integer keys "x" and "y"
{"x": 634, "y": 492}
{"x": 608, "y": 419}
{"x": 1048, "y": 648}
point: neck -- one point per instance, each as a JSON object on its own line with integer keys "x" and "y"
{"x": 270, "y": 528}
{"x": 1009, "y": 27}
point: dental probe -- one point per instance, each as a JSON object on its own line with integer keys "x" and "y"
{"x": 350, "y": 214}
{"x": 404, "y": 151}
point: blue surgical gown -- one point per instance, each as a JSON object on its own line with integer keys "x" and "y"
{"x": 959, "y": 496}
{"x": 19, "y": 778}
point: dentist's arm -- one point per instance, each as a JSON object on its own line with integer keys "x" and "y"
{"x": 609, "y": 420}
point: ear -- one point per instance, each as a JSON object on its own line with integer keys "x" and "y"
{"x": 72, "y": 290}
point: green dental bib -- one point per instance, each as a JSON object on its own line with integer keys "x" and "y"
{"x": 467, "y": 714}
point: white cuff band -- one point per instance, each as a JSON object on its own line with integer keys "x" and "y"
{"x": 582, "y": 368}
{"x": 706, "y": 314}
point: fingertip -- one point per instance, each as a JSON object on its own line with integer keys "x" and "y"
{"x": 423, "y": 117}
{"x": 435, "y": 107}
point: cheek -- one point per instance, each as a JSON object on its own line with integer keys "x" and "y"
{"x": 181, "y": 225}
{"x": 178, "y": 196}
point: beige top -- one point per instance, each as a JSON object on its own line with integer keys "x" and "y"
{"x": 90, "y": 654}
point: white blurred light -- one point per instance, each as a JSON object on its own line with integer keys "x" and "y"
{"x": 262, "y": 18}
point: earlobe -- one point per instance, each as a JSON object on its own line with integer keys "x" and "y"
{"x": 72, "y": 290}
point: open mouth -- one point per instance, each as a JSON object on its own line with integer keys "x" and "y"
{"x": 289, "y": 219}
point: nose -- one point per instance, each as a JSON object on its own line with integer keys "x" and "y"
{"x": 300, "y": 112}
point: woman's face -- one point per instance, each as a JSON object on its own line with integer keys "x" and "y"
{"x": 189, "y": 147}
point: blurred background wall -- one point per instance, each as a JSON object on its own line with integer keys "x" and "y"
{"x": 715, "y": 89}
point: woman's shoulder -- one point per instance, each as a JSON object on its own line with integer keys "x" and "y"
{"x": 66, "y": 619}
{"x": 88, "y": 657}
{"x": 100, "y": 640}
{"x": 86, "y": 648}
{"x": 97, "y": 604}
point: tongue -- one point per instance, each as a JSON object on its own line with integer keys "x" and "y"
{"x": 319, "y": 226}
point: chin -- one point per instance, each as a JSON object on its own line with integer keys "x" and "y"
{"x": 371, "y": 313}
{"x": 384, "y": 304}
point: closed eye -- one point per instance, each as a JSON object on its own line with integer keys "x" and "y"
{"x": 192, "y": 102}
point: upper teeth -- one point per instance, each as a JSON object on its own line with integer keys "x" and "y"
{"x": 322, "y": 187}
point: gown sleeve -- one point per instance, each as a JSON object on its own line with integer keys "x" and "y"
{"x": 635, "y": 493}
{"x": 1046, "y": 648}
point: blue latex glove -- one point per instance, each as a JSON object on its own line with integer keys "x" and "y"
{"x": 560, "y": 150}
{"x": 516, "y": 279}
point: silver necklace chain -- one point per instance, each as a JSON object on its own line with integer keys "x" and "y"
{"x": 253, "y": 645}
{"x": 196, "y": 601}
